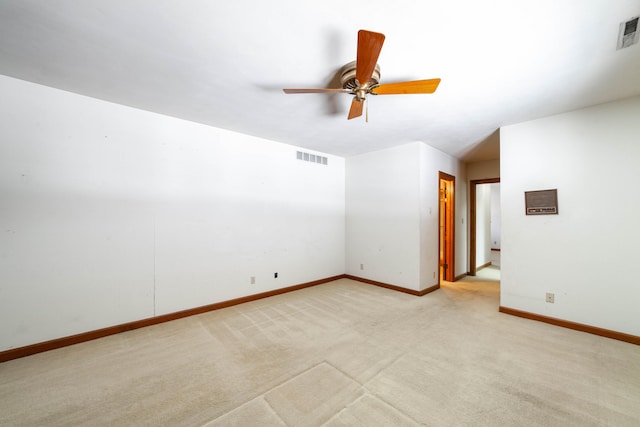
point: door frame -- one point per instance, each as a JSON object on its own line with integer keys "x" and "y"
{"x": 449, "y": 273}
{"x": 472, "y": 220}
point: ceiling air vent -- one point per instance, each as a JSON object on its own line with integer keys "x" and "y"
{"x": 628, "y": 33}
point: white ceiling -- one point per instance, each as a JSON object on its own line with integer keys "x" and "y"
{"x": 223, "y": 63}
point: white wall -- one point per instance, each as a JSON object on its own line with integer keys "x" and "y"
{"x": 110, "y": 214}
{"x": 483, "y": 225}
{"x": 392, "y": 215}
{"x": 483, "y": 170}
{"x": 587, "y": 254}
{"x": 383, "y": 216}
{"x": 496, "y": 223}
{"x": 432, "y": 162}
{"x": 488, "y": 228}
{"x": 487, "y": 169}
{"x": 496, "y": 227}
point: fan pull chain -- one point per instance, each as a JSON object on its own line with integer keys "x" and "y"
{"x": 367, "y": 112}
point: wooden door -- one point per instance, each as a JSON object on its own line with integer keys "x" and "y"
{"x": 446, "y": 250}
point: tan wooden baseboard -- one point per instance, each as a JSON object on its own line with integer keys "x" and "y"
{"x": 483, "y": 266}
{"x": 28, "y": 350}
{"x": 16, "y": 353}
{"x": 393, "y": 287}
{"x": 461, "y": 276}
{"x": 633, "y": 339}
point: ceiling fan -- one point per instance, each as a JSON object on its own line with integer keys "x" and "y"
{"x": 362, "y": 77}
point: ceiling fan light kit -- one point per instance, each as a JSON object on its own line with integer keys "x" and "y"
{"x": 366, "y": 69}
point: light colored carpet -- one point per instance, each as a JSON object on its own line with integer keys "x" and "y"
{"x": 338, "y": 354}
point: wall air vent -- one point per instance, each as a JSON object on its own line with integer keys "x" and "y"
{"x": 313, "y": 158}
{"x": 628, "y": 34}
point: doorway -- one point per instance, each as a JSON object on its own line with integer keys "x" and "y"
{"x": 446, "y": 233}
{"x": 473, "y": 221}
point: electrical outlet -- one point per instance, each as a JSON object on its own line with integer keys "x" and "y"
{"x": 361, "y": 266}
{"x": 550, "y": 297}
{"x": 253, "y": 280}
{"x": 275, "y": 275}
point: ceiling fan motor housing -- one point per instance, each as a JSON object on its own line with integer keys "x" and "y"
{"x": 348, "y": 76}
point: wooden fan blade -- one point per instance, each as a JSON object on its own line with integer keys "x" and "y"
{"x": 369, "y": 46}
{"x": 416, "y": 86}
{"x": 315, "y": 90}
{"x": 356, "y": 108}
